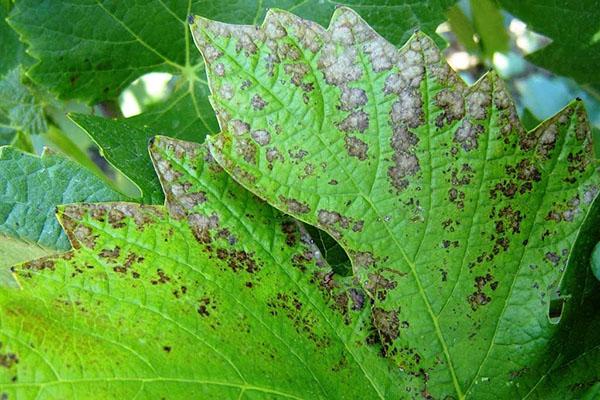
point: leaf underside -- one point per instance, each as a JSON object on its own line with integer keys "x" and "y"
{"x": 30, "y": 188}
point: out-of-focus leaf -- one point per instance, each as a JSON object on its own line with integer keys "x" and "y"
{"x": 22, "y": 141}
{"x": 574, "y": 29}
{"x": 463, "y": 29}
{"x": 19, "y": 108}
{"x": 528, "y": 119}
{"x": 595, "y": 263}
{"x": 91, "y": 50}
{"x": 12, "y": 51}
{"x": 489, "y": 25}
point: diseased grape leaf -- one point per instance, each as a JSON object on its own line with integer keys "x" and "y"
{"x": 458, "y": 222}
{"x": 93, "y": 50}
{"x": 123, "y": 141}
{"x": 30, "y": 189}
{"x": 216, "y": 295}
{"x": 575, "y": 34}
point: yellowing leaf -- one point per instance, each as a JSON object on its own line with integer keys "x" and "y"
{"x": 215, "y": 295}
{"x": 459, "y": 223}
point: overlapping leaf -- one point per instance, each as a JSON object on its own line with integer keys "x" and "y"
{"x": 30, "y": 189}
{"x": 19, "y": 109}
{"x": 459, "y": 222}
{"x": 214, "y": 296}
{"x": 91, "y": 50}
{"x": 575, "y": 47}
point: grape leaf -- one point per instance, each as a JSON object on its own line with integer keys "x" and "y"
{"x": 458, "y": 222}
{"x": 216, "y": 295}
{"x": 93, "y": 50}
{"x": 30, "y": 188}
{"x": 12, "y": 51}
{"x": 19, "y": 109}
{"x": 123, "y": 141}
{"x": 575, "y": 47}
{"x": 596, "y": 262}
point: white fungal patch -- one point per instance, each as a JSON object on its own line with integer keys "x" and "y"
{"x": 590, "y": 194}
{"x": 352, "y": 98}
{"x": 408, "y": 109}
{"x": 453, "y": 104}
{"x": 258, "y": 103}
{"x": 355, "y": 121}
{"x": 479, "y": 99}
{"x": 239, "y": 128}
{"x": 219, "y": 69}
{"x": 339, "y": 68}
{"x": 467, "y": 134}
{"x": 261, "y": 137}
{"x": 226, "y": 91}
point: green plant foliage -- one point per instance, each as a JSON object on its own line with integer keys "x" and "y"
{"x": 12, "y": 52}
{"x": 214, "y": 296}
{"x": 573, "y": 27}
{"x": 93, "y": 51}
{"x": 596, "y": 262}
{"x": 30, "y": 188}
{"x": 489, "y": 24}
{"x": 469, "y": 236}
{"x": 123, "y": 141}
{"x": 458, "y": 222}
{"x": 19, "y": 109}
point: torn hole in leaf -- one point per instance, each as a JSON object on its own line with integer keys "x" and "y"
{"x": 555, "y": 310}
{"x": 333, "y": 253}
{"x": 145, "y": 91}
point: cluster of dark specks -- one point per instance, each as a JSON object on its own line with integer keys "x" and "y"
{"x": 290, "y": 306}
{"x": 294, "y": 205}
{"x": 377, "y": 285}
{"x": 334, "y": 222}
{"x": 238, "y": 260}
{"x": 479, "y": 297}
{"x": 205, "y": 306}
{"x": 8, "y": 359}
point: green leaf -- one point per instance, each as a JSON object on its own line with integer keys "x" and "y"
{"x": 575, "y": 47}
{"x": 19, "y": 109}
{"x": 596, "y": 262}
{"x": 575, "y": 372}
{"x": 215, "y": 296}
{"x": 489, "y": 24}
{"x": 12, "y": 51}
{"x": 30, "y": 189}
{"x": 93, "y": 50}
{"x": 458, "y": 222}
{"x": 462, "y": 27}
{"x": 123, "y": 141}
